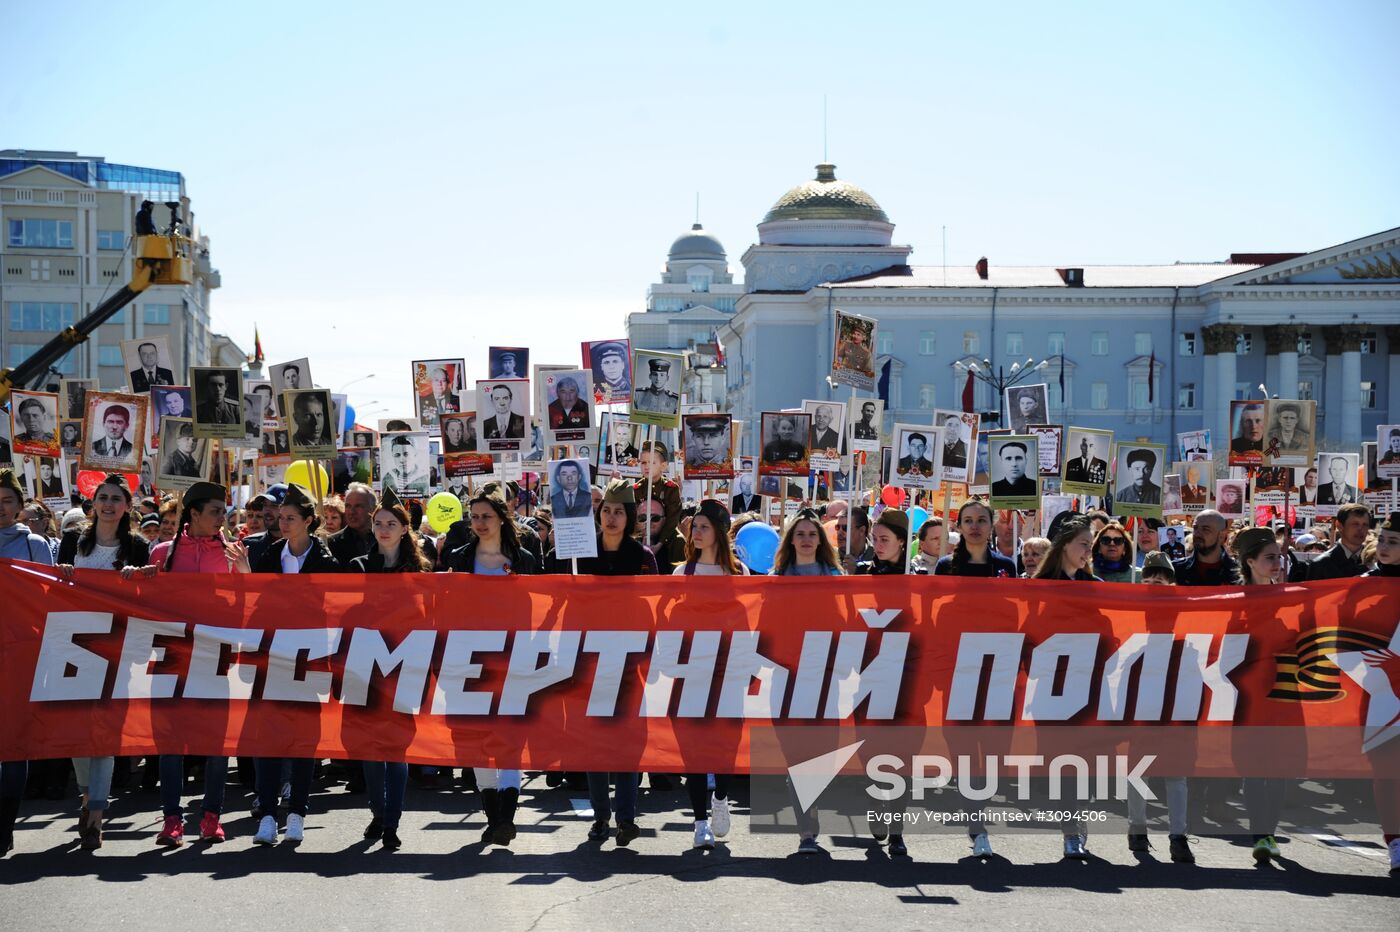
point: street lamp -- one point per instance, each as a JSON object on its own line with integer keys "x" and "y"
{"x": 1001, "y": 379}
{"x": 341, "y": 390}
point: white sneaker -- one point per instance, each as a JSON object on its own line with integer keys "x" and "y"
{"x": 296, "y": 827}
{"x": 1395, "y": 856}
{"x": 719, "y": 816}
{"x": 981, "y": 845}
{"x": 1075, "y": 849}
{"x": 704, "y": 838}
{"x": 267, "y": 831}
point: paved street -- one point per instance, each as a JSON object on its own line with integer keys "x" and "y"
{"x": 553, "y": 878}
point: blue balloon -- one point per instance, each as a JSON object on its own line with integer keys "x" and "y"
{"x": 349, "y": 417}
{"x": 756, "y": 544}
{"x": 917, "y": 517}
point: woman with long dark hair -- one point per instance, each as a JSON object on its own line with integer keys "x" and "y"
{"x": 1113, "y": 555}
{"x": 108, "y": 543}
{"x": 494, "y": 550}
{"x": 975, "y": 553}
{"x": 199, "y": 546}
{"x": 805, "y": 550}
{"x": 298, "y": 551}
{"x": 397, "y": 550}
{"x": 889, "y": 536}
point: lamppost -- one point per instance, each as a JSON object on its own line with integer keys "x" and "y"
{"x": 1001, "y": 379}
{"x": 341, "y": 390}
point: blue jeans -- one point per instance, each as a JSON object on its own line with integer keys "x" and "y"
{"x": 14, "y": 774}
{"x": 269, "y": 783}
{"x": 386, "y": 783}
{"x": 95, "y": 779}
{"x": 626, "y": 795}
{"x": 172, "y": 781}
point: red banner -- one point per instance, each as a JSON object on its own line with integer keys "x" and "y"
{"x": 668, "y": 674}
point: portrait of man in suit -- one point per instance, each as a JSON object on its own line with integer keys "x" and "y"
{"x": 1088, "y": 467}
{"x": 111, "y": 442}
{"x": 954, "y": 446}
{"x": 501, "y": 423}
{"x": 1194, "y": 491}
{"x": 867, "y": 428}
{"x": 746, "y": 500}
{"x": 147, "y": 369}
{"x": 570, "y": 498}
{"x": 823, "y": 435}
{"x": 1010, "y": 478}
{"x": 1337, "y": 490}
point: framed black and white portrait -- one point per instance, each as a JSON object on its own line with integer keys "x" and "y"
{"x": 404, "y": 463}
{"x": 148, "y": 363}
{"x": 1027, "y": 405}
{"x": 503, "y": 410}
{"x": 217, "y": 396}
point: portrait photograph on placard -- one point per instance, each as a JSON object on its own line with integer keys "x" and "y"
{"x": 1048, "y": 437}
{"x": 459, "y": 433}
{"x": 6, "y": 450}
{"x": 708, "y": 444}
{"x": 1197, "y": 485}
{"x": 745, "y": 496}
{"x": 1336, "y": 484}
{"x": 508, "y": 362}
{"x": 619, "y": 447}
{"x": 784, "y": 436}
{"x": 1137, "y": 479}
{"x": 699, "y": 407}
{"x": 34, "y": 423}
{"x": 957, "y": 440}
{"x": 1289, "y": 437}
{"x": 656, "y": 390}
{"x": 569, "y": 495}
{"x": 404, "y": 463}
{"x": 610, "y": 365}
{"x": 853, "y": 351}
{"x": 1193, "y": 445}
{"x": 1012, "y": 461}
{"x": 183, "y": 458}
{"x": 309, "y": 424}
{"x": 168, "y": 401}
{"x": 866, "y": 418}
{"x": 148, "y": 363}
{"x": 824, "y": 436}
{"x": 45, "y": 477}
{"x": 72, "y": 397}
{"x": 70, "y": 438}
{"x": 1230, "y": 497}
{"x": 1305, "y": 482}
{"x": 1171, "y": 540}
{"x": 217, "y": 397}
{"x": 287, "y": 376}
{"x": 1387, "y": 465}
{"x": 1247, "y": 420}
{"x": 365, "y": 439}
{"x": 567, "y": 402}
{"x": 915, "y": 461}
{"x": 436, "y": 383}
{"x": 1086, "y": 453}
{"x": 503, "y": 410}
{"x": 399, "y": 425}
{"x": 1027, "y": 405}
{"x": 114, "y": 431}
{"x": 275, "y": 442}
{"x": 1171, "y": 495}
{"x": 353, "y": 464}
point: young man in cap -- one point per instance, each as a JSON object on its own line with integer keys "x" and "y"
{"x": 656, "y": 398}
{"x": 610, "y": 382}
{"x": 707, "y": 441}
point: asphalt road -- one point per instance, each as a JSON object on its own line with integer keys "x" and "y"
{"x": 553, "y": 878}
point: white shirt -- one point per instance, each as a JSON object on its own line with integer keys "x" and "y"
{"x": 291, "y": 563}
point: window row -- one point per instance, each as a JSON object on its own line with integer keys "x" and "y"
{"x": 1188, "y": 343}
{"x": 19, "y": 352}
{"x": 41, "y": 234}
{"x": 41, "y": 315}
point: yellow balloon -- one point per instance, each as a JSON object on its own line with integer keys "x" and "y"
{"x": 299, "y": 473}
{"x": 444, "y": 510}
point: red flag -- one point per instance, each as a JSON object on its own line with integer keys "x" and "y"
{"x": 967, "y": 393}
{"x": 1151, "y": 365}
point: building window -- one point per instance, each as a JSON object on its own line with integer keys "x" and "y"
{"x": 1138, "y": 387}
{"x": 19, "y": 352}
{"x": 1057, "y": 397}
{"x": 699, "y": 279}
{"x": 156, "y": 313}
{"x": 1055, "y": 344}
{"x": 1098, "y": 396}
{"x": 1015, "y": 344}
{"x": 1305, "y": 343}
{"x": 109, "y": 355}
{"x": 1368, "y": 395}
{"x": 1244, "y": 344}
{"x": 111, "y": 239}
{"x": 928, "y": 396}
{"x": 1368, "y": 343}
{"x": 928, "y": 343}
{"x": 1242, "y": 390}
{"x": 972, "y": 341}
{"x": 1142, "y": 344}
{"x": 41, "y": 234}
{"x": 1305, "y": 390}
{"x": 1186, "y": 395}
{"x": 1186, "y": 343}
{"x": 40, "y": 315}
{"x": 1098, "y": 343}
{"x": 885, "y": 345}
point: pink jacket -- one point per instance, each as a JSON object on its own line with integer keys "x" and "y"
{"x": 194, "y": 555}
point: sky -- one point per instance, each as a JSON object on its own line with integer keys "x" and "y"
{"x": 382, "y": 183}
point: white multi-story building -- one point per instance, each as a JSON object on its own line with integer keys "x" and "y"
{"x": 66, "y": 222}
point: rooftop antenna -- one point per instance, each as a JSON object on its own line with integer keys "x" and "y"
{"x": 824, "y": 155}
{"x": 945, "y": 253}
{"x": 697, "y": 208}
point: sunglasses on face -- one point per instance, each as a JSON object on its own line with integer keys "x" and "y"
{"x": 1113, "y": 541}
{"x": 656, "y": 517}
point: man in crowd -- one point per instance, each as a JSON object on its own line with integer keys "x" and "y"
{"x": 356, "y": 538}
{"x": 669, "y": 550}
{"x": 1343, "y": 561}
{"x": 268, "y": 503}
{"x": 746, "y": 500}
{"x": 35, "y": 420}
{"x": 656, "y": 398}
{"x": 954, "y": 447}
{"x": 861, "y": 549}
{"x": 1208, "y": 564}
{"x": 823, "y": 436}
{"x": 503, "y": 424}
{"x": 313, "y": 426}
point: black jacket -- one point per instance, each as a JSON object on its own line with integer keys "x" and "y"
{"x": 1335, "y": 564}
{"x": 373, "y": 562}
{"x": 460, "y": 534}
{"x": 345, "y": 545}
{"x": 629, "y": 559}
{"x": 463, "y": 560}
{"x": 1228, "y": 574}
{"x": 134, "y": 552}
{"x": 257, "y": 545}
{"x": 318, "y": 559}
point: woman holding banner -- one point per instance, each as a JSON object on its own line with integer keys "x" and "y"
{"x": 108, "y": 543}
{"x": 975, "y": 554}
{"x": 890, "y": 539}
{"x": 1261, "y": 564}
{"x": 299, "y": 551}
{"x": 199, "y": 546}
{"x": 397, "y": 550}
{"x": 1113, "y": 555}
{"x": 619, "y": 554}
{"x": 709, "y": 552}
{"x": 805, "y": 550}
{"x": 494, "y": 550}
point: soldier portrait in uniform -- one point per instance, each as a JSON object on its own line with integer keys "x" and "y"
{"x": 436, "y": 383}
{"x": 1086, "y": 455}
{"x": 853, "y": 351}
{"x": 708, "y": 444}
{"x": 1013, "y": 463}
{"x": 1229, "y": 497}
{"x": 310, "y": 431}
{"x": 1288, "y": 440}
{"x": 508, "y": 362}
{"x": 610, "y": 363}
{"x": 183, "y": 458}
{"x": 34, "y": 422}
{"x": 1246, "y": 433}
{"x": 658, "y": 400}
{"x": 865, "y": 417}
{"x": 1387, "y": 452}
{"x": 70, "y": 436}
{"x": 784, "y": 436}
{"x": 914, "y": 459}
{"x": 217, "y": 396}
{"x": 404, "y": 463}
{"x": 1027, "y": 405}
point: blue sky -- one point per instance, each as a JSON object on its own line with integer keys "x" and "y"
{"x": 384, "y": 183}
